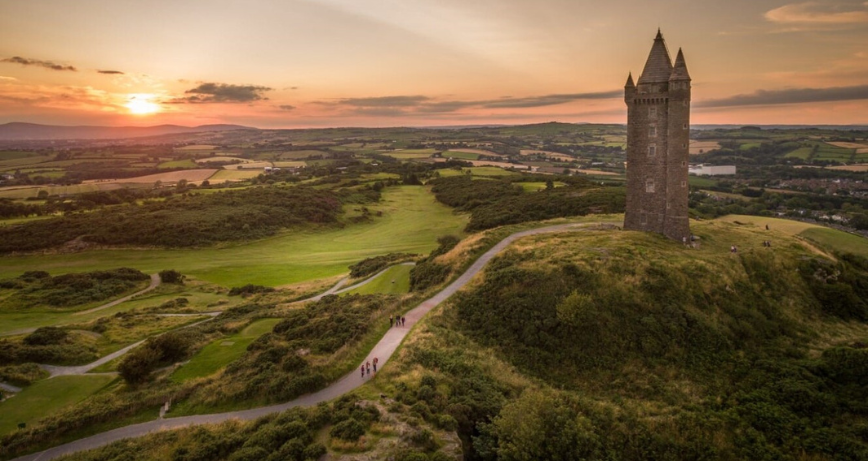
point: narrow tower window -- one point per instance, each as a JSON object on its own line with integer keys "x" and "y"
{"x": 652, "y": 151}
{"x": 649, "y": 185}
{"x": 652, "y": 111}
{"x": 652, "y": 131}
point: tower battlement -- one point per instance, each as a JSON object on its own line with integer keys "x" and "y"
{"x": 658, "y": 128}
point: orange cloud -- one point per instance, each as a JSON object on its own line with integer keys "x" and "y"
{"x": 818, "y": 13}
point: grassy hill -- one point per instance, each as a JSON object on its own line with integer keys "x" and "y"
{"x": 623, "y": 345}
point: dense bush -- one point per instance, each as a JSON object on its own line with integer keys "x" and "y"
{"x": 45, "y": 336}
{"x": 183, "y": 221}
{"x": 249, "y": 289}
{"x": 171, "y": 276}
{"x": 428, "y": 273}
{"x": 583, "y": 322}
{"x": 168, "y": 348}
{"x": 498, "y": 202}
{"x": 49, "y": 345}
{"x": 22, "y": 375}
{"x": 840, "y": 288}
{"x": 349, "y": 429}
{"x": 36, "y": 289}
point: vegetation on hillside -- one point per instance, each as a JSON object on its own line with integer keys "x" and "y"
{"x": 627, "y": 346}
{"x": 183, "y": 221}
{"x": 38, "y": 289}
{"x": 500, "y": 201}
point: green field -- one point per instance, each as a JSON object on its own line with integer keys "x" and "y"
{"x": 701, "y": 181}
{"x": 411, "y": 222}
{"x": 25, "y": 192}
{"x": 47, "y": 396}
{"x": 477, "y": 171}
{"x": 198, "y": 301}
{"x": 827, "y": 238}
{"x": 802, "y": 153}
{"x": 185, "y": 163}
{"x": 841, "y": 241}
{"x": 460, "y": 155}
{"x": 395, "y": 280}
{"x": 537, "y": 186}
{"x": 409, "y": 154}
{"x": 223, "y": 351}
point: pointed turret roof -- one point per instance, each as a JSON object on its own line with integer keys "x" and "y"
{"x": 630, "y": 83}
{"x": 658, "y": 67}
{"x": 679, "y": 71}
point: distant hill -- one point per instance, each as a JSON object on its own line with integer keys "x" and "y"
{"x": 17, "y": 131}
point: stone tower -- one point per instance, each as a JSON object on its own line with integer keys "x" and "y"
{"x": 658, "y": 125}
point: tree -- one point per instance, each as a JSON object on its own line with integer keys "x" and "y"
{"x": 172, "y": 276}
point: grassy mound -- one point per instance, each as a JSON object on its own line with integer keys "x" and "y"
{"x": 622, "y": 345}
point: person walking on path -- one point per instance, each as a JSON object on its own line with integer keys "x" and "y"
{"x": 375, "y": 364}
{"x": 403, "y": 319}
{"x": 363, "y": 371}
{"x": 369, "y": 368}
{"x": 391, "y": 321}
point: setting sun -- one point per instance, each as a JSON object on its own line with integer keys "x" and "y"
{"x": 140, "y": 104}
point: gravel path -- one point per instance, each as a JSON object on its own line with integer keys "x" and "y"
{"x": 383, "y": 350}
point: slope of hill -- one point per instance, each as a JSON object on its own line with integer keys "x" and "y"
{"x": 621, "y": 345}
{"x": 33, "y": 131}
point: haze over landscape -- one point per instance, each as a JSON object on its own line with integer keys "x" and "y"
{"x": 295, "y": 64}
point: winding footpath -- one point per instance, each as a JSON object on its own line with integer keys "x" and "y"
{"x": 382, "y": 350}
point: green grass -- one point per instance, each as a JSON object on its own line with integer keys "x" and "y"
{"x": 198, "y": 302}
{"x": 186, "y": 163}
{"x": 396, "y": 280}
{"x": 25, "y": 192}
{"x": 537, "y": 186}
{"x": 802, "y": 153}
{"x": 477, "y": 171}
{"x": 222, "y": 352}
{"x": 411, "y": 223}
{"x": 408, "y": 154}
{"x": 825, "y": 237}
{"x": 700, "y": 181}
{"x": 461, "y": 155}
{"x": 47, "y": 396}
{"x": 835, "y": 239}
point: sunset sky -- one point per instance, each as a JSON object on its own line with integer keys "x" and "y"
{"x": 316, "y": 63}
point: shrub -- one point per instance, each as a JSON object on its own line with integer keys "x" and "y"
{"x": 349, "y": 430}
{"x": 172, "y": 276}
{"x": 45, "y": 336}
{"x": 249, "y": 289}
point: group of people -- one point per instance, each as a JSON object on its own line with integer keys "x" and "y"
{"x": 367, "y": 367}
{"x": 396, "y": 321}
{"x": 767, "y": 243}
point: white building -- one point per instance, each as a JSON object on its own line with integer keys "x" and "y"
{"x": 711, "y": 170}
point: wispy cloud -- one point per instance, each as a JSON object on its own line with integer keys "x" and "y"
{"x": 39, "y": 63}
{"x": 790, "y": 96}
{"x": 384, "y": 101}
{"x": 223, "y": 93}
{"x": 548, "y": 100}
{"x": 286, "y": 107}
{"x": 8, "y": 78}
{"x": 419, "y": 104}
{"x": 819, "y": 13}
{"x": 110, "y": 72}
